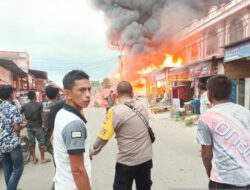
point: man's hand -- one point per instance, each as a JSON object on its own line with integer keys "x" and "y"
{"x": 91, "y": 153}
{"x": 18, "y": 127}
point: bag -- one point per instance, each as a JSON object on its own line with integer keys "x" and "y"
{"x": 145, "y": 121}
{"x": 151, "y": 134}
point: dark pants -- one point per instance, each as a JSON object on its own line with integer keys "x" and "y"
{"x": 125, "y": 175}
{"x": 214, "y": 186}
{"x": 13, "y": 167}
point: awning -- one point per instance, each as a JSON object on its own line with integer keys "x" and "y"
{"x": 201, "y": 68}
{"x": 11, "y": 66}
{"x": 39, "y": 74}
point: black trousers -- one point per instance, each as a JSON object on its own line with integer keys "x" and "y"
{"x": 125, "y": 175}
{"x": 214, "y": 186}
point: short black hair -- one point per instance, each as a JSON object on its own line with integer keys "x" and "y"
{"x": 124, "y": 88}
{"x": 72, "y": 76}
{"x": 220, "y": 87}
{"x": 31, "y": 95}
{"x": 51, "y": 91}
{"x": 202, "y": 86}
{"x": 6, "y": 91}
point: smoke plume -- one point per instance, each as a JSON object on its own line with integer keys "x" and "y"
{"x": 142, "y": 25}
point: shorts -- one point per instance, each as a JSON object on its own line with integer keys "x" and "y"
{"x": 36, "y": 133}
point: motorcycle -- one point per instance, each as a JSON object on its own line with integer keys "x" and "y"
{"x": 25, "y": 149}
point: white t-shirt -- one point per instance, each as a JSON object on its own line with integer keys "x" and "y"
{"x": 204, "y": 102}
{"x": 70, "y": 136}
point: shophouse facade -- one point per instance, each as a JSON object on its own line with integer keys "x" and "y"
{"x": 204, "y": 45}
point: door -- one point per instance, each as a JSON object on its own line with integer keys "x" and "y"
{"x": 247, "y": 93}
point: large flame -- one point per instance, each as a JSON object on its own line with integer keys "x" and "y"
{"x": 169, "y": 61}
{"x": 147, "y": 70}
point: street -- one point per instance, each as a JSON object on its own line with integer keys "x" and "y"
{"x": 177, "y": 161}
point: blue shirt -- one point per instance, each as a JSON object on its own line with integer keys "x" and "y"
{"x": 9, "y": 115}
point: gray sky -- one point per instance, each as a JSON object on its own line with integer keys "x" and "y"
{"x": 59, "y": 35}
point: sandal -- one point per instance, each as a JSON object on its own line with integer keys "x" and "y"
{"x": 46, "y": 160}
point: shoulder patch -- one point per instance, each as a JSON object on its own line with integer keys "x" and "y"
{"x": 76, "y": 134}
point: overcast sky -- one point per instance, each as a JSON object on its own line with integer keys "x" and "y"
{"x": 59, "y": 35}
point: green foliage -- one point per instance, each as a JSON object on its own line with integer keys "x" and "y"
{"x": 95, "y": 83}
{"x": 106, "y": 83}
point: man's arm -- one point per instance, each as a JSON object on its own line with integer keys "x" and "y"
{"x": 17, "y": 124}
{"x": 74, "y": 135}
{"x": 79, "y": 172}
{"x": 204, "y": 138}
{"x": 106, "y": 133}
{"x": 207, "y": 155}
{"x": 97, "y": 147}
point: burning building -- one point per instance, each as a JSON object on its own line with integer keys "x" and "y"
{"x": 199, "y": 41}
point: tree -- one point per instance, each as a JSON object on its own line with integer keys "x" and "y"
{"x": 95, "y": 83}
{"x": 106, "y": 83}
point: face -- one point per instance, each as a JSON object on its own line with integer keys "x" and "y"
{"x": 79, "y": 95}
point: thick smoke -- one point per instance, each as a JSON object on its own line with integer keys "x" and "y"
{"x": 142, "y": 25}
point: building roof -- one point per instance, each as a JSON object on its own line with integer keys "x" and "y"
{"x": 11, "y": 66}
{"x": 39, "y": 74}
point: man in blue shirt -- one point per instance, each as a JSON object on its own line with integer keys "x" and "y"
{"x": 10, "y": 126}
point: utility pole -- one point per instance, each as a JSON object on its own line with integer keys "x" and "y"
{"x": 120, "y": 45}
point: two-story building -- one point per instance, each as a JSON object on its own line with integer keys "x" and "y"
{"x": 218, "y": 43}
{"x": 15, "y": 70}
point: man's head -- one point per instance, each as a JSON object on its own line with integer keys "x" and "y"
{"x": 111, "y": 92}
{"x": 52, "y": 92}
{"x": 31, "y": 95}
{"x": 124, "y": 89}
{"x": 6, "y": 92}
{"x": 77, "y": 89}
{"x": 219, "y": 88}
{"x": 202, "y": 86}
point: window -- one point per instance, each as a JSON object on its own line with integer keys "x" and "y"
{"x": 212, "y": 43}
{"x": 236, "y": 30}
{"x": 194, "y": 51}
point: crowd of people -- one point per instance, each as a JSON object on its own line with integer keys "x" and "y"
{"x": 60, "y": 128}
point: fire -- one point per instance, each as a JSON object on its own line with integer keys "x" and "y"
{"x": 169, "y": 62}
{"x": 148, "y": 69}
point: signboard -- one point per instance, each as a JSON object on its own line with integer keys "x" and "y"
{"x": 237, "y": 52}
{"x": 176, "y": 102}
{"x": 200, "y": 70}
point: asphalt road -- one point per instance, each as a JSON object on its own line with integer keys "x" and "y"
{"x": 177, "y": 162}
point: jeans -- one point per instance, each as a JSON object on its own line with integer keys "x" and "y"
{"x": 125, "y": 175}
{"x": 214, "y": 186}
{"x": 13, "y": 167}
